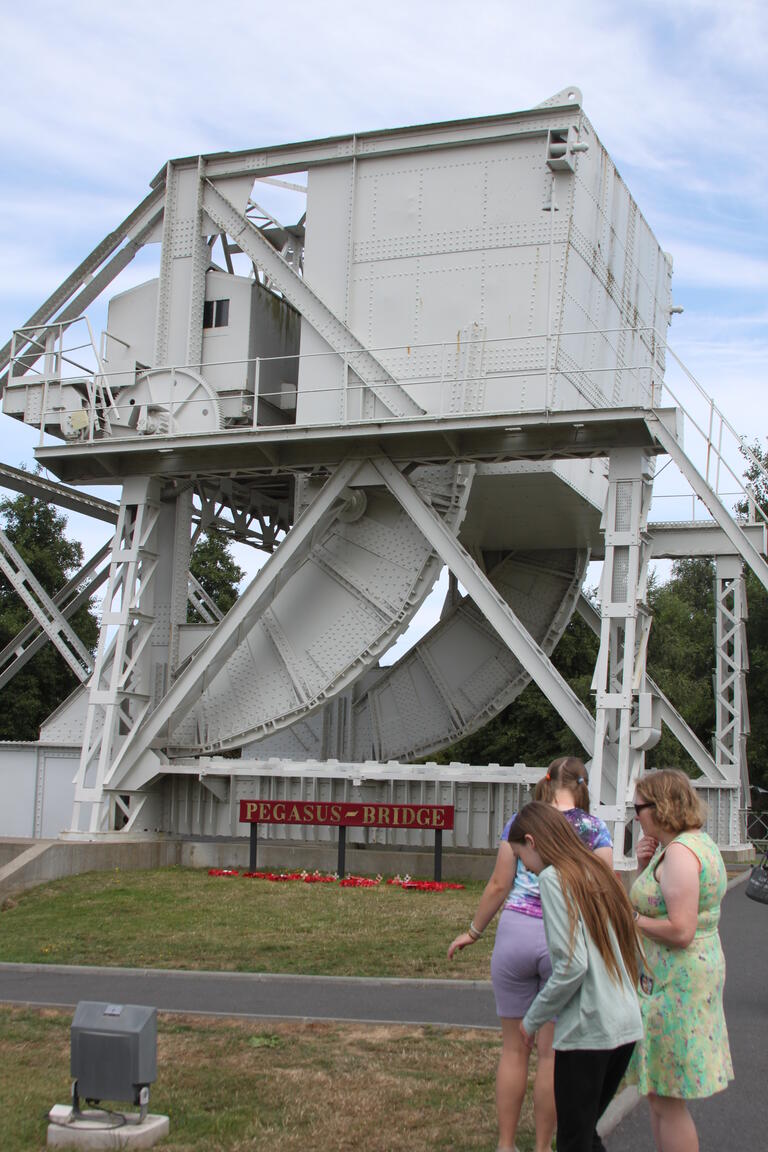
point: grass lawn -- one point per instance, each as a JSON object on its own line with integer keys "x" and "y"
{"x": 184, "y": 918}
{"x": 238, "y": 1086}
{"x": 234, "y": 1085}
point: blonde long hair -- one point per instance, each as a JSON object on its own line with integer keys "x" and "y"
{"x": 590, "y": 887}
{"x": 565, "y": 772}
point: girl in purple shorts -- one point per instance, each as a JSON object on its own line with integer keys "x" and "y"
{"x": 520, "y": 964}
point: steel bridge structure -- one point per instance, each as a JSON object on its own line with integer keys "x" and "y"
{"x": 452, "y": 355}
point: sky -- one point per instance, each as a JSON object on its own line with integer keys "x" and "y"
{"x": 96, "y": 97}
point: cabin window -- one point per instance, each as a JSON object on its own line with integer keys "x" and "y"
{"x": 215, "y": 313}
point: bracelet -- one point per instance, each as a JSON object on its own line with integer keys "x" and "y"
{"x": 635, "y": 916}
{"x": 473, "y": 932}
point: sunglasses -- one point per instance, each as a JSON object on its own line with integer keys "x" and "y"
{"x": 639, "y": 807}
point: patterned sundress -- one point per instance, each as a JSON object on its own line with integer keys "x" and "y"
{"x": 685, "y": 1050}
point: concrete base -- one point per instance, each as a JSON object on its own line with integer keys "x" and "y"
{"x": 365, "y": 861}
{"x": 738, "y": 854}
{"x": 37, "y": 861}
{"x": 32, "y": 862}
{"x": 88, "y": 1130}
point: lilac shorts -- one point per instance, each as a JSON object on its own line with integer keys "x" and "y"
{"x": 520, "y": 964}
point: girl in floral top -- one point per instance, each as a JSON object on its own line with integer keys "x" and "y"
{"x": 520, "y": 964}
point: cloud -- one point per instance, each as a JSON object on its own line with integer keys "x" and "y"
{"x": 718, "y": 267}
{"x": 109, "y": 88}
{"x": 107, "y": 93}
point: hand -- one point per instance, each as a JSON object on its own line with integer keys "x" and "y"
{"x": 646, "y": 846}
{"x": 527, "y": 1040}
{"x": 460, "y": 942}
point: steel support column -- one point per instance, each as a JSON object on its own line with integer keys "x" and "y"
{"x": 624, "y": 718}
{"x": 731, "y": 709}
{"x": 212, "y": 656}
{"x": 120, "y": 689}
{"x": 669, "y": 715}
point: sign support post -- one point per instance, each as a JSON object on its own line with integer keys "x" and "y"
{"x": 438, "y": 854}
{"x": 341, "y": 862}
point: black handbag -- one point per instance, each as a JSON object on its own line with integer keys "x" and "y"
{"x": 757, "y": 885}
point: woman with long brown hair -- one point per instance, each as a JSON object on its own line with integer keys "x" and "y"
{"x": 520, "y": 964}
{"x": 590, "y": 995}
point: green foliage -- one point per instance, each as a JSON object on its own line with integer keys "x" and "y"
{"x": 755, "y": 476}
{"x": 681, "y": 653}
{"x": 36, "y": 530}
{"x": 215, "y": 568}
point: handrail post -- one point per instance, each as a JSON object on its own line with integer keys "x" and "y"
{"x": 709, "y": 436}
{"x": 719, "y": 454}
{"x": 256, "y": 384}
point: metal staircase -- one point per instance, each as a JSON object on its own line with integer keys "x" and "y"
{"x": 717, "y": 456}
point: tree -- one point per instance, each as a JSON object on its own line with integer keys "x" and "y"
{"x": 216, "y": 570}
{"x": 681, "y": 654}
{"x": 36, "y": 530}
{"x": 756, "y": 476}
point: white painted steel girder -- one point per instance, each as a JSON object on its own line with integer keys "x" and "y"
{"x": 731, "y": 663}
{"x": 492, "y": 605}
{"x": 43, "y": 609}
{"x": 334, "y": 332}
{"x": 119, "y": 693}
{"x": 33, "y": 636}
{"x": 740, "y": 540}
{"x": 93, "y": 275}
{"x": 623, "y": 730}
{"x": 369, "y": 574}
{"x": 275, "y": 657}
{"x": 682, "y": 732}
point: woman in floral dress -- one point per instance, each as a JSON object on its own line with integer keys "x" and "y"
{"x": 684, "y": 1054}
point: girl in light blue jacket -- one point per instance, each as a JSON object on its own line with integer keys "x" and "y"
{"x": 590, "y": 931}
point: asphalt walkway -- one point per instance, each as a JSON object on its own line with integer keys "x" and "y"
{"x": 734, "y": 1120}
{"x": 463, "y": 1003}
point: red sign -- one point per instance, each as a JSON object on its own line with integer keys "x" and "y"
{"x": 429, "y": 816}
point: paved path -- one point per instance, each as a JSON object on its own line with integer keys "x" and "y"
{"x": 733, "y": 1121}
{"x": 464, "y": 1003}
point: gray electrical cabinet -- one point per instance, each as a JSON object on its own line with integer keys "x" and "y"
{"x": 113, "y": 1050}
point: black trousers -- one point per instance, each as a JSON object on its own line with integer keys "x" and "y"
{"x": 585, "y": 1083}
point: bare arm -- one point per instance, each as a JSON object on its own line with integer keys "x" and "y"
{"x": 494, "y": 895}
{"x": 605, "y": 854}
{"x": 679, "y": 880}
